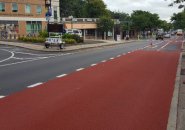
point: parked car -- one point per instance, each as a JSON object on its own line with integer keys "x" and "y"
{"x": 74, "y": 31}
{"x": 167, "y": 35}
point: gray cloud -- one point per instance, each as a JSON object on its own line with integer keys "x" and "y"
{"x": 154, "y": 6}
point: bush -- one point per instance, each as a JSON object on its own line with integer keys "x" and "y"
{"x": 77, "y": 38}
{"x": 43, "y": 34}
{"x": 69, "y": 41}
{"x": 32, "y": 39}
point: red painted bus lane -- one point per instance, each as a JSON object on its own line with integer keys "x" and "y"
{"x": 132, "y": 92}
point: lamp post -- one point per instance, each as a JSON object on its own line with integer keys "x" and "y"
{"x": 48, "y": 13}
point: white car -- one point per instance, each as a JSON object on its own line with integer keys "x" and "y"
{"x": 167, "y": 35}
{"x": 74, "y": 31}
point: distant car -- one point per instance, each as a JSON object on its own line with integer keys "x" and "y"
{"x": 167, "y": 35}
{"x": 179, "y": 32}
{"x": 159, "y": 36}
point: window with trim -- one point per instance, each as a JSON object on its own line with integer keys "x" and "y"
{"x": 2, "y": 7}
{"x": 39, "y": 9}
{"x": 28, "y": 8}
{"x": 33, "y": 27}
{"x": 14, "y": 7}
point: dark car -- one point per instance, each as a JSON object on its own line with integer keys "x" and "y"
{"x": 159, "y": 36}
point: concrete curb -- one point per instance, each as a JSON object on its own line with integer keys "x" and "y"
{"x": 67, "y": 50}
{"x": 172, "y": 120}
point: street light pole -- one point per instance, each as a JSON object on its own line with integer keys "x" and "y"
{"x": 48, "y": 13}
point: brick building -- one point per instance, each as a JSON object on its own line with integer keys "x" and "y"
{"x": 22, "y": 17}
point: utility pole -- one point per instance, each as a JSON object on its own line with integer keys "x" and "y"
{"x": 48, "y": 13}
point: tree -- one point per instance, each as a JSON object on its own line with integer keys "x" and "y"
{"x": 143, "y": 20}
{"x": 165, "y": 25}
{"x": 105, "y": 24}
{"x": 95, "y": 9}
{"x": 178, "y": 2}
{"x": 178, "y": 20}
{"x": 83, "y": 8}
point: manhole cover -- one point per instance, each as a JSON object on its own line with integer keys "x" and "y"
{"x": 182, "y": 71}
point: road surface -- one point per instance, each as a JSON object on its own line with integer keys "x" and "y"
{"x": 129, "y": 91}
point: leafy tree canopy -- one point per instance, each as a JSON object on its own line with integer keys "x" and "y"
{"x": 144, "y": 20}
{"x": 105, "y": 24}
{"x": 178, "y": 20}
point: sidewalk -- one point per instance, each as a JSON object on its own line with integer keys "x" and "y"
{"x": 88, "y": 44}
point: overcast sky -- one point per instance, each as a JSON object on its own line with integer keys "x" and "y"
{"x": 154, "y": 6}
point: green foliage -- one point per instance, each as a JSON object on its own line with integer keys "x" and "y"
{"x": 178, "y": 20}
{"x": 83, "y": 8}
{"x": 143, "y": 20}
{"x": 69, "y": 41}
{"x": 43, "y": 34}
{"x": 77, "y": 38}
{"x": 105, "y": 24}
{"x": 32, "y": 39}
{"x": 165, "y": 25}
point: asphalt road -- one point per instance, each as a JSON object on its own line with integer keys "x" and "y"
{"x": 131, "y": 90}
{"x": 21, "y": 68}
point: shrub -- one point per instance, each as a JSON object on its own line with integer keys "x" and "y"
{"x": 43, "y": 34}
{"x": 32, "y": 39}
{"x": 77, "y": 38}
{"x": 69, "y": 41}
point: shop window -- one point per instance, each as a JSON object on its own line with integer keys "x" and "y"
{"x": 2, "y": 7}
{"x": 33, "y": 27}
{"x": 39, "y": 9}
{"x": 14, "y": 7}
{"x": 28, "y": 8}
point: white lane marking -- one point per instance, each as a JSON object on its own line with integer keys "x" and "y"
{"x": 35, "y": 59}
{"x": 12, "y": 55}
{"x": 34, "y": 54}
{"x": 163, "y": 46}
{"x": 93, "y": 64}
{"x": 129, "y": 52}
{"x": 80, "y": 69}
{"x": 154, "y": 46}
{"x": 34, "y": 85}
{"x": 118, "y": 55}
{"x": 112, "y": 58}
{"x": 61, "y": 75}
{"x": 103, "y": 61}
{"x": 2, "y": 97}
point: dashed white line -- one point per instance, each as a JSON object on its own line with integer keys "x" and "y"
{"x": 93, "y": 64}
{"x": 112, "y": 58}
{"x": 2, "y": 97}
{"x": 59, "y": 76}
{"x": 34, "y": 85}
{"x": 103, "y": 61}
{"x": 80, "y": 69}
{"x": 163, "y": 46}
{"x": 118, "y": 55}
